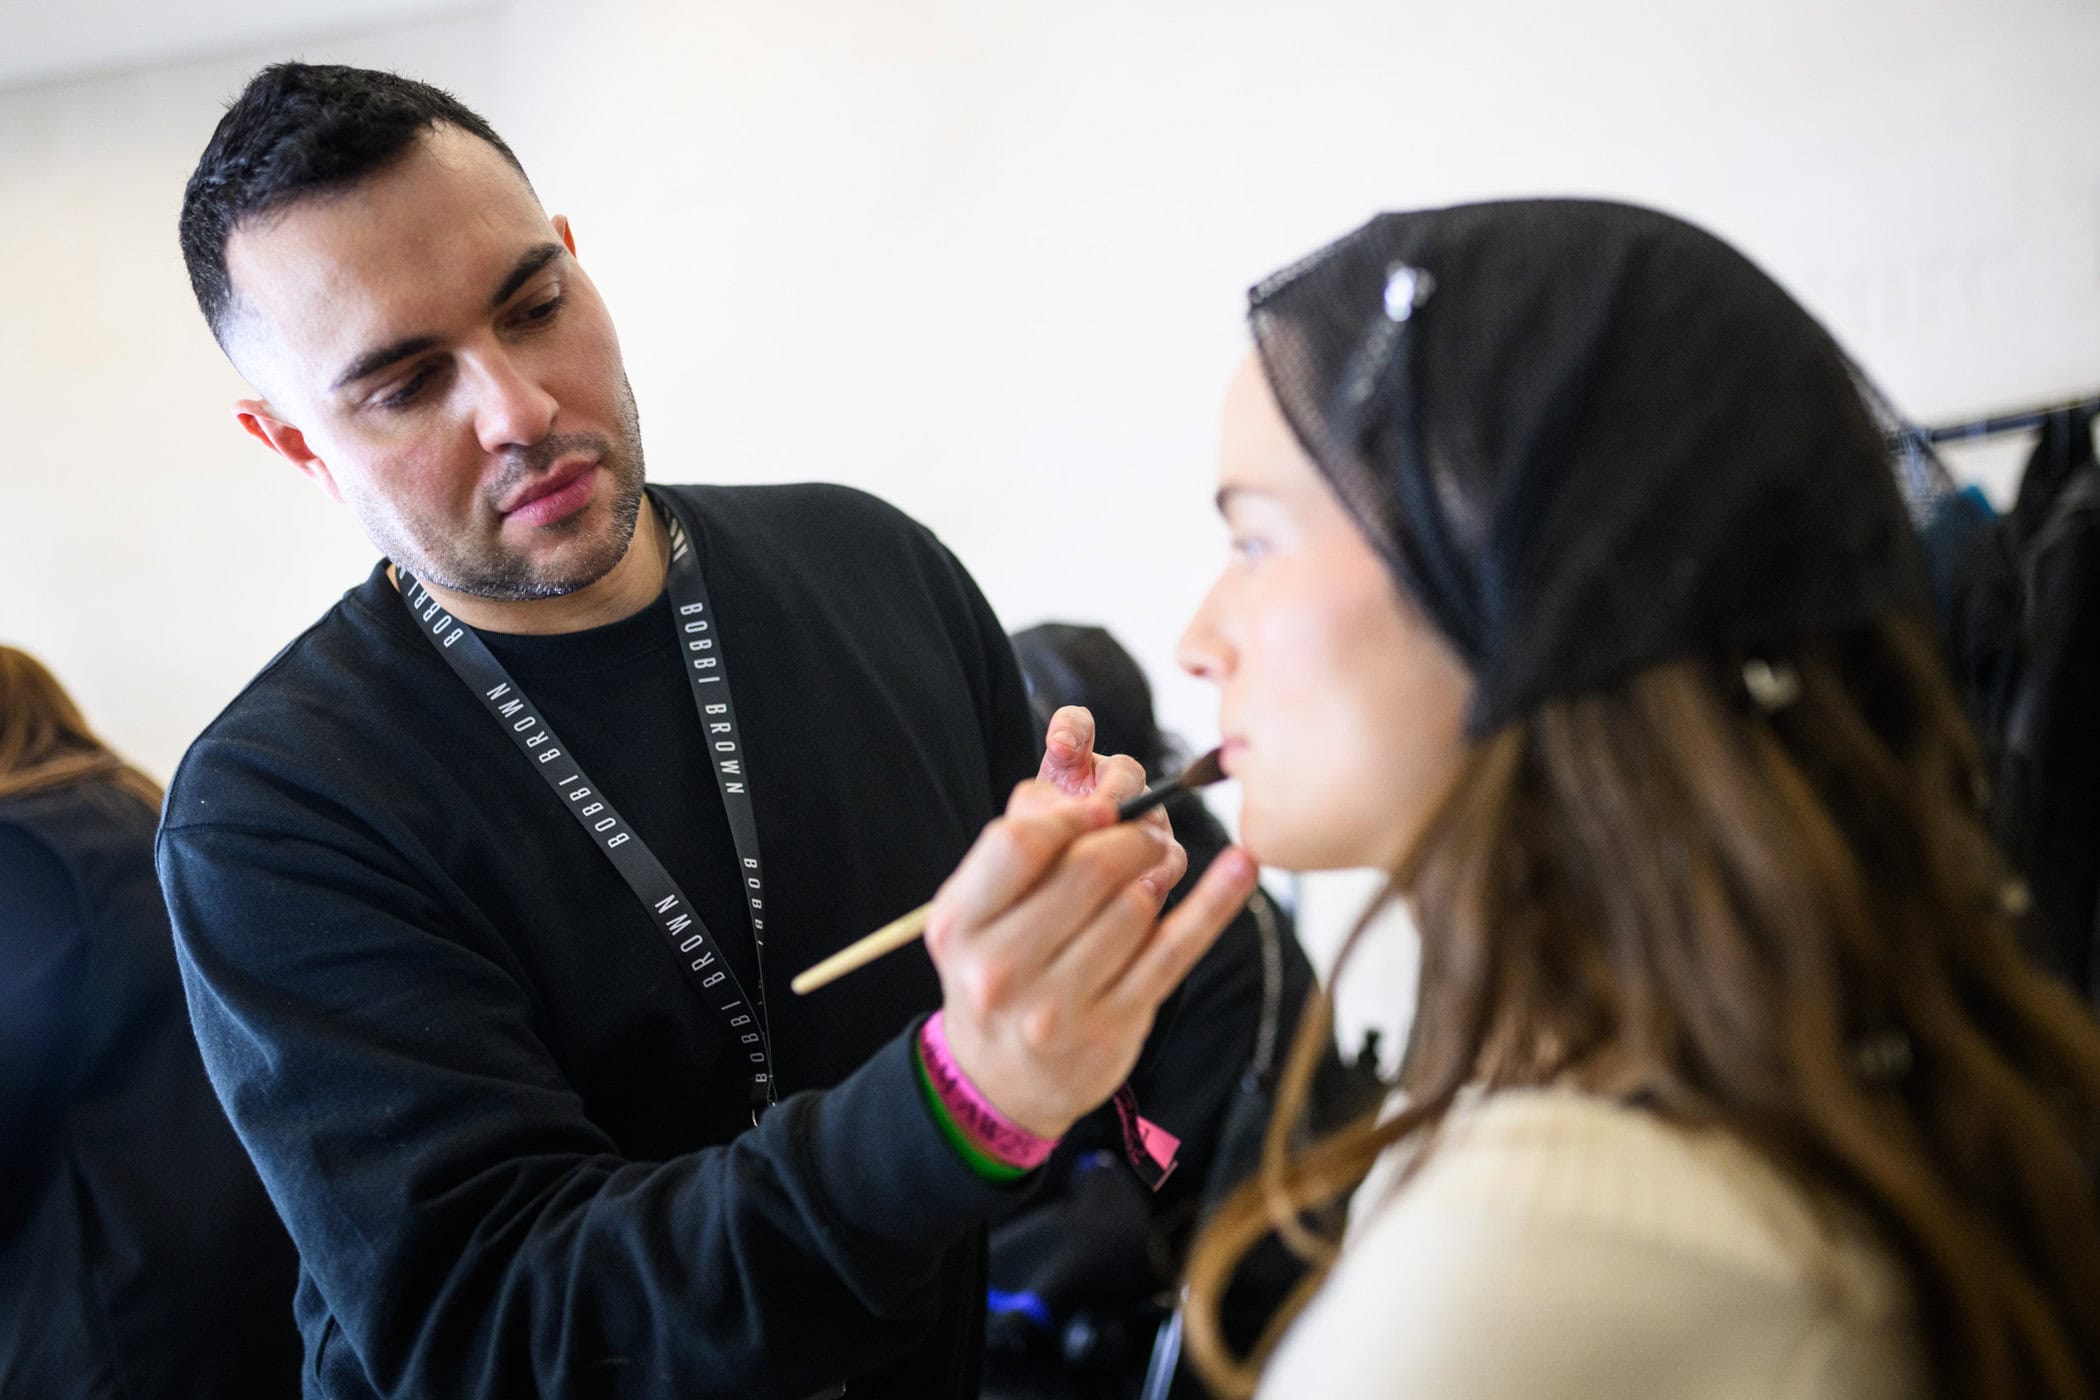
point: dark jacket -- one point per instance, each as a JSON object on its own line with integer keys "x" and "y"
{"x": 511, "y": 1142}
{"x": 2019, "y": 598}
{"x": 138, "y": 1254}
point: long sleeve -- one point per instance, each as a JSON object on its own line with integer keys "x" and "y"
{"x": 473, "y": 1233}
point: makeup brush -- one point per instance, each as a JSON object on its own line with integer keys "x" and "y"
{"x": 894, "y": 935}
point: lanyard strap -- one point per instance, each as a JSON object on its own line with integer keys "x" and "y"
{"x": 708, "y": 675}
{"x": 471, "y": 660}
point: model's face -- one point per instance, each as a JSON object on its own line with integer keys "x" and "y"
{"x": 1342, "y": 709}
{"x": 434, "y": 356}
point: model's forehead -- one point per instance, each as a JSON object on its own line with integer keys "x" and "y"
{"x": 1257, "y": 450}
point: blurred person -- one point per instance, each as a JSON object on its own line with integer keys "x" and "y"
{"x": 138, "y": 1254}
{"x": 1083, "y": 1277}
{"x": 484, "y": 890}
{"x": 1570, "y": 583}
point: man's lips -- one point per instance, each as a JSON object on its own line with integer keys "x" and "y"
{"x": 555, "y": 496}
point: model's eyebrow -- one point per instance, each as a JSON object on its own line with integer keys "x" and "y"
{"x": 1227, "y": 494}
{"x": 535, "y": 258}
{"x": 373, "y": 361}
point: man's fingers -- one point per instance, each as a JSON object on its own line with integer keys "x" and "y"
{"x": 1010, "y": 857}
{"x": 1099, "y": 955}
{"x": 1163, "y": 877}
{"x": 1090, "y": 873}
{"x": 1068, "y": 751}
{"x": 1035, "y": 797}
{"x": 1187, "y": 933}
{"x": 1118, "y": 777}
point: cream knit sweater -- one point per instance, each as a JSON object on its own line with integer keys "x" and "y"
{"x": 1559, "y": 1245}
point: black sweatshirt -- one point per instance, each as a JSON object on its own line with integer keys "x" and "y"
{"x": 511, "y": 1141}
{"x": 138, "y": 1255}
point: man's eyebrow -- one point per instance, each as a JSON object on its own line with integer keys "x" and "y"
{"x": 535, "y": 258}
{"x": 373, "y": 361}
{"x": 370, "y": 363}
{"x": 1226, "y": 494}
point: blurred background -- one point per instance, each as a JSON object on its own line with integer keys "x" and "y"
{"x": 985, "y": 259}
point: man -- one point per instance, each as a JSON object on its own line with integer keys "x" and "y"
{"x": 486, "y": 889}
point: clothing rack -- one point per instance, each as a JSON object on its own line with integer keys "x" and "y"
{"x": 2022, "y": 421}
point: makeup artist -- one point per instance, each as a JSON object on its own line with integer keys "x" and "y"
{"x": 487, "y": 888}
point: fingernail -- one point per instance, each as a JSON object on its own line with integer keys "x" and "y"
{"x": 1151, "y": 884}
{"x": 1238, "y": 864}
{"x": 1066, "y": 738}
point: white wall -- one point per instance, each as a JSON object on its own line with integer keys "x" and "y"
{"x": 47, "y": 43}
{"x": 986, "y": 259}
{"x": 150, "y": 553}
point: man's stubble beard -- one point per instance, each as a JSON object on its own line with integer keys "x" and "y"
{"x": 501, "y": 575}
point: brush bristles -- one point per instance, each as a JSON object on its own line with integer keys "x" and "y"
{"x": 1202, "y": 773}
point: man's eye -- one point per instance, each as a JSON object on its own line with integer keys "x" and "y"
{"x": 1249, "y": 548}
{"x": 407, "y": 393}
{"x": 544, "y": 311}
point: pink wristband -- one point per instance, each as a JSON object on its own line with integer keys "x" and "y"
{"x": 999, "y": 1136}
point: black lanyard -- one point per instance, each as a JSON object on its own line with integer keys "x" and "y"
{"x": 708, "y": 674}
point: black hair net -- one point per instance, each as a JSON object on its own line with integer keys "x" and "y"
{"x": 1587, "y": 438}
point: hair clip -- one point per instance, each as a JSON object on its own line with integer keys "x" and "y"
{"x": 1405, "y": 289}
{"x": 1772, "y": 687}
{"x": 1882, "y": 1058}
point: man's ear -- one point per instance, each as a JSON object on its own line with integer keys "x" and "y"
{"x": 565, "y": 233}
{"x": 286, "y": 441}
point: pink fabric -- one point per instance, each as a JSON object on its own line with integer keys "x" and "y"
{"x": 1152, "y": 1150}
{"x": 999, "y": 1136}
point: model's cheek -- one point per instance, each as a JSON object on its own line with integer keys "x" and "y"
{"x": 1314, "y": 664}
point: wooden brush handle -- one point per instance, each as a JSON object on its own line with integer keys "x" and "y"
{"x": 894, "y": 935}
{"x": 854, "y": 956}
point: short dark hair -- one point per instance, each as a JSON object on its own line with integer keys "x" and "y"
{"x": 300, "y": 129}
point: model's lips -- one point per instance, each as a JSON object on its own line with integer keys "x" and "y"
{"x": 556, "y": 496}
{"x": 1229, "y": 752}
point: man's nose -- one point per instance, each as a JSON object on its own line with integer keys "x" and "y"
{"x": 511, "y": 409}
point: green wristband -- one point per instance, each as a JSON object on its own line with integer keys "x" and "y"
{"x": 973, "y": 1156}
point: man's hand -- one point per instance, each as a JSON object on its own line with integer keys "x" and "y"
{"x": 1051, "y": 952}
{"x": 1073, "y": 768}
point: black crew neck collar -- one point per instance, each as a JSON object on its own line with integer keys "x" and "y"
{"x": 641, "y": 634}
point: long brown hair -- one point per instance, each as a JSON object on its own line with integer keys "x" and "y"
{"x": 44, "y": 742}
{"x": 1788, "y": 918}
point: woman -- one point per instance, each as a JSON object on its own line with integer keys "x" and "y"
{"x": 138, "y": 1254}
{"x": 1570, "y": 585}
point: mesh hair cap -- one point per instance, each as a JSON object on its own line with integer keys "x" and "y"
{"x": 1587, "y": 438}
